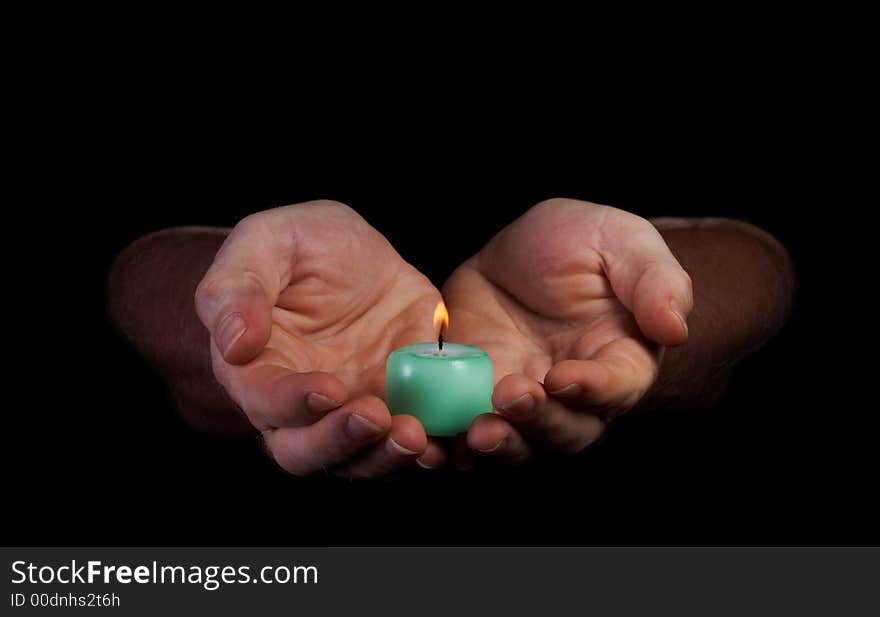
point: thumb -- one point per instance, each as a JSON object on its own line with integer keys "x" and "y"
{"x": 236, "y": 308}
{"x": 647, "y": 278}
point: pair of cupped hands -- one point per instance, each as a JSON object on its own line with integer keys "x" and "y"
{"x": 573, "y": 302}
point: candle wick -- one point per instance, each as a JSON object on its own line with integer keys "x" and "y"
{"x": 440, "y": 342}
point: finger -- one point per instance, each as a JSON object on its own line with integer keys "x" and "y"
{"x": 613, "y": 380}
{"x": 495, "y": 439}
{"x": 341, "y": 435}
{"x": 646, "y": 277}
{"x": 434, "y": 456}
{"x": 237, "y": 309}
{"x": 461, "y": 456}
{"x": 405, "y": 442}
{"x": 234, "y": 299}
{"x": 275, "y": 397}
{"x": 543, "y": 420}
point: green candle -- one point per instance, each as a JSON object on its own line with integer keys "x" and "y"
{"x": 445, "y": 389}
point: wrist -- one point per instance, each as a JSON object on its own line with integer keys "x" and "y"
{"x": 150, "y": 297}
{"x": 744, "y": 283}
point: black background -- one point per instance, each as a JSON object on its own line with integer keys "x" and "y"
{"x": 787, "y": 458}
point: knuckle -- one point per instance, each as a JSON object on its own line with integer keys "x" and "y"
{"x": 291, "y": 461}
{"x": 264, "y": 402}
{"x": 294, "y": 468}
{"x": 332, "y": 204}
{"x": 207, "y": 291}
{"x": 558, "y": 430}
{"x": 261, "y": 415}
{"x": 576, "y": 443}
{"x": 689, "y": 284}
{"x": 250, "y": 223}
{"x": 642, "y": 224}
{"x": 562, "y": 202}
{"x": 552, "y": 202}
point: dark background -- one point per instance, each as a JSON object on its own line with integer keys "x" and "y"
{"x": 787, "y": 458}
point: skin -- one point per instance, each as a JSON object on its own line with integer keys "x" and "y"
{"x": 572, "y": 302}
{"x": 584, "y": 310}
{"x": 304, "y": 304}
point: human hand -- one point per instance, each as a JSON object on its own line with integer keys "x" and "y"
{"x": 572, "y": 302}
{"x": 304, "y": 303}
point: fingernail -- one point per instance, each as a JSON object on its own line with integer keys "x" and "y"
{"x": 493, "y": 448}
{"x": 318, "y": 403}
{"x": 359, "y": 428}
{"x": 519, "y": 406}
{"x": 231, "y": 329}
{"x": 396, "y": 448}
{"x": 675, "y": 307}
{"x": 572, "y": 390}
{"x": 422, "y": 465}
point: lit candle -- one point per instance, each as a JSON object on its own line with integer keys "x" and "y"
{"x": 444, "y": 385}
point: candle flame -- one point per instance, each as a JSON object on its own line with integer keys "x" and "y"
{"x": 441, "y": 318}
